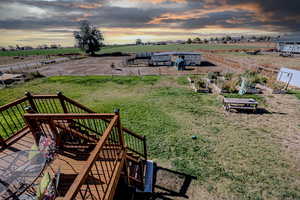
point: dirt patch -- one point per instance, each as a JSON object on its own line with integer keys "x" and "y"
{"x": 117, "y": 66}
{"x": 6, "y": 60}
{"x": 269, "y": 60}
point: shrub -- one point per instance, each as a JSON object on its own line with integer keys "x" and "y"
{"x": 230, "y": 85}
{"x": 272, "y": 83}
{"x": 200, "y": 83}
{"x": 254, "y": 77}
{"x": 213, "y": 75}
{"x": 228, "y": 75}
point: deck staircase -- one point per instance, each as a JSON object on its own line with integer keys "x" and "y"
{"x": 94, "y": 152}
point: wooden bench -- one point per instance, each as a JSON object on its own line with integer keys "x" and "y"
{"x": 240, "y": 104}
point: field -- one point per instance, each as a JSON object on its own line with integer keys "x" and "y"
{"x": 132, "y": 49}
{"x": 270, "y": 60}
{"x": 234, "y": 156}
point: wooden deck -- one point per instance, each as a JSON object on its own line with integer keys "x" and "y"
{"x": 71, "y": 161}
{"x": 93, "y": 149}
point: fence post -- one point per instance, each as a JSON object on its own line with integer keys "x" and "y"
{"x": 145, "y": 147}
{"x": 32, "y": 124}
{"x": 62, "y": 102}
{"x": 31, "y": 102}
{"x": 120, "y": 133}
{"x": 2, "y": 142}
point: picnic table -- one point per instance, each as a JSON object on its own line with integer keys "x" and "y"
{"x": 19, "y": 171}
{"x": 240, "y": 104}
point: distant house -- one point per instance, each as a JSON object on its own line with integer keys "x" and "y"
{"x": 168, "y": 58}
{"x": 288, "y": 46}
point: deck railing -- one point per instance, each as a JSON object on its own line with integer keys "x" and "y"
{"x": 96, "y": 180}
{"x": 12, "y": 122}
{"x": 71, "y": 121}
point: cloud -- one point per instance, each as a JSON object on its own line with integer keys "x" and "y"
{"x": 190, "y": 16}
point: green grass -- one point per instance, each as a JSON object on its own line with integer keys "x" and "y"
{"x": 230, "y": 160}
{"x": 128, "y": 49}
{"x": 39, "y": 52}
{"x": 295, "y": 92}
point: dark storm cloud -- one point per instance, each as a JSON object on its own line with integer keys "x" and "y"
{"x": 278, "y": 15}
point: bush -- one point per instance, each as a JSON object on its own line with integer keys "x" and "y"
{"x": 213, "y": 75}
{"x": 272, "y": 83}
{"x": 200, "y": 83}
{"x": 230, "y": 85}
{"x": 254, "y": 77}
{"x": 228, "y": 75}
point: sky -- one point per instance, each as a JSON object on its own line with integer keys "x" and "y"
{"x": 34, "y": 22}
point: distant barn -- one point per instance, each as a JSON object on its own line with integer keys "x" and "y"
{"x": 288, "y": 47}
{"x": 168, "y": 58}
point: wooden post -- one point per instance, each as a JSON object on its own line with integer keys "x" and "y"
{"x": 56, "y": 135}
{"x": 31, "y": 102}
{"x": 145, "y": 147}
{"x": 33, "y": 126}
{"x": 62, "y": 102}
{"x": 120, "y": 133}
{"x": 2, "y": 143}
{"x": 121, "y": 138}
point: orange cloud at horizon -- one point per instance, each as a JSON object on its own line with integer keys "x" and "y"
{"x": 202, "y": 13}
{"x": 83, "y": 17}
{"x": 87, "y": 5}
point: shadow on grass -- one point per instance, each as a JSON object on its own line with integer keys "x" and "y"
{"x": 258, "y": 111}
{"x": 168, "y": 185}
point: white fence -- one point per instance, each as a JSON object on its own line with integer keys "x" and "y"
{"x": 290, "y": 76}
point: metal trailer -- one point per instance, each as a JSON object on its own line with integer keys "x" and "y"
{"x": 168, "y": 58}
{"x": 288, "y": 47}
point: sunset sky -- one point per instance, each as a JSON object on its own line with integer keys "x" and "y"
{"x": 34, "y": 22}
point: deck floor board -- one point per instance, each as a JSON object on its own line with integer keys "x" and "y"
{"x": 70, "y": 162}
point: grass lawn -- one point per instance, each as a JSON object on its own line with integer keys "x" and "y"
{"x": 129, "y": 49}
{"x": 230, "y": 161}
{"x": 295, "y": 92}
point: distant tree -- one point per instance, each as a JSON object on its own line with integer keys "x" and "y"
{"x": 89, "y": 39}
{"x": 11, "y": 48}
{"x": 53, "y": 46}
{"x": 138, "y": 41}
{"x": 189, "y": 41}
{"x": 205, "y": 41}
{"x": 197, "y": 40}
{"x": 228, "y": 38}
{"x": 242, "y": 37}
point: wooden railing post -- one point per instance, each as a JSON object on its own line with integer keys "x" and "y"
{"x": 145, "y": 147}
{"x": 33, "y": 126}
{"x": 2, "y": 142}
{"x": 62, "y": 102}
{"x": 30, "y": 100}
{"x": 120, "y": 133}
{"x": 56, "y": 135}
